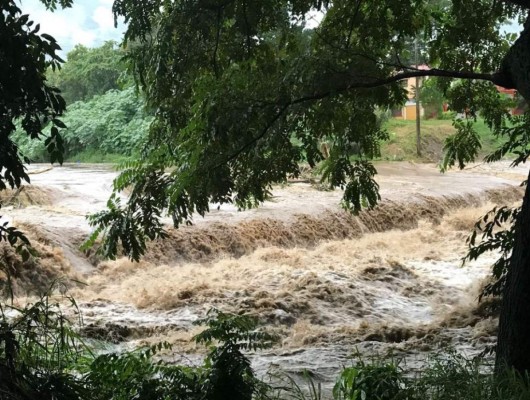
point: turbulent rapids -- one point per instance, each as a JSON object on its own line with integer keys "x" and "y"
{"x": 328, "y": 283}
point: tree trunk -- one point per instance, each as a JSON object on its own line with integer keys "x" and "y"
{"x": 513, "y": 343}
{"x": 418, "y": 118}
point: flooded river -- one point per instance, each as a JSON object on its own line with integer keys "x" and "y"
{"x": 327, "y": 283}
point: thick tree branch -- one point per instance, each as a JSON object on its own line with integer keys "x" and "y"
{"x": 496, "y": 78}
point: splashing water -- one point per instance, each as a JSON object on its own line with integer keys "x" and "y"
{"x": 326, "y": 282}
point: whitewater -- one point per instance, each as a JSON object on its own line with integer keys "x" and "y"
{"x": 329, "y": 284}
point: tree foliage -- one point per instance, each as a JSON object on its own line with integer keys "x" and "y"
{"x": 26, "y": 98}
{"x": 495, "y": 231}
{"x": 432, "y": 98}
{"x": 88, "y": 72}
{"x": 243, "y": 93}
{"x": 112, "y": 123}
{"x": 105, "y": 114}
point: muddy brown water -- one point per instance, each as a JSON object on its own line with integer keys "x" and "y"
{"x": 327, "y": 283}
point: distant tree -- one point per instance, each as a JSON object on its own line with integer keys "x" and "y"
{"x": 88, "y": 72}
{"x": 432, "y": 98}
{"x": 112, "y": 123}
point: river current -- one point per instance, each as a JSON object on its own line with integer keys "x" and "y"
{"x": 329, "y": 284}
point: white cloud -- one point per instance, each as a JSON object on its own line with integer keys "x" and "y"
{"x": 88, "y": 22}
{"x": 84, "y": 37}
{"x": 104, "y": 18}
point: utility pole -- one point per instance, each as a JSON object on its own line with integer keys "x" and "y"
{"x": 418, "y": 110}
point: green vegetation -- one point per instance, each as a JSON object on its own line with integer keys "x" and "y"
{"x": 402, "y": 139}
{"x": 432, "y": 98}
{"x": 111, "y": 126}
{"x": 230, "y": 83}
{"x": 45, "y": 358}
{"x": 446, "y": 375}
{"x": 105, "y": 119}
{"x": 42, "y": 357}
{"x": 90, "y": 72}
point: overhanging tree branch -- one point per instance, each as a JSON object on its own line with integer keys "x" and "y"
{"x": 497, "y": 78}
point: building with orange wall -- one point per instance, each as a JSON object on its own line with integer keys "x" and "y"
{"x": 408, "y": 111}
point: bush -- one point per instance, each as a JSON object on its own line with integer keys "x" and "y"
{"x": 445, "y": 376}
{"x": 112, "y": 123}
{"x": 447, "y": 115}
{"x": 381, "y": 381}
{"x": 40, "y": 354}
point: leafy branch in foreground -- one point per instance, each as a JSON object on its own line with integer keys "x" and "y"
{"x": 237, "y": 331}
{"x": 225, "y": 374}
{"x": 120, "y": 226}
{"x": 379, "y": 380}
{"x": 26, "y": 100}
{"x": 516, "y": 134}
{"x": 497, "y": 230}
{"x": 462, "y": 147}
{"x": 230, "y": 373}
{"x": 40, "y": 353}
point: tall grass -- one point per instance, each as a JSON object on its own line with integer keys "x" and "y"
{"x": 402, "y": 142}
{"x": 445, "y": 376}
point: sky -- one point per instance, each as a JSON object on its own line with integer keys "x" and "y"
{"x": 88, "y": 22}
{"x": 91, "y": 23}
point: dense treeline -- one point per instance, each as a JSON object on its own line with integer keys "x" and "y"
{"x": 105, "y": 116}
{"x": 88, "y": 72}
